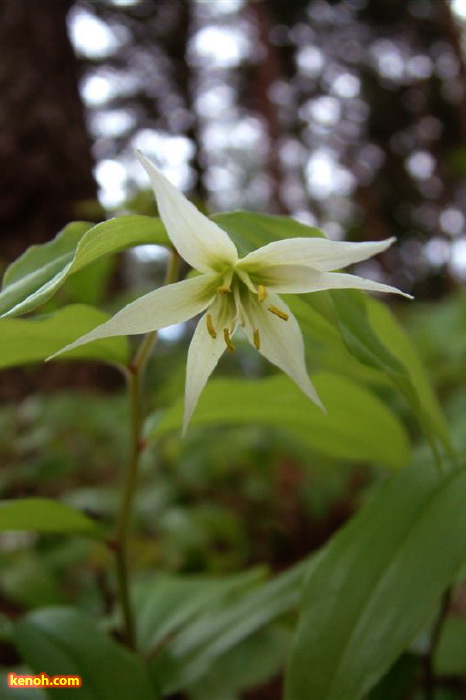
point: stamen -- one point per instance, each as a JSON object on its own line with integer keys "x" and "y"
{"x": 228, "y": 343}
{"x": 261, "y": 292}
{"x": 210, "y": 326}
{"x": 224, "y": 289}
{"x": 257, "y": 339}
{"x": 277, "y": 312}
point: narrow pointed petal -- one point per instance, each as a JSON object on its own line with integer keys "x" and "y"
{"x": 174, "y": 303}
{"x": 198, "y": 240}
{"x": 338, "y": 280}
{"x": 299, "y": 279}
{"x": 203, "y": 355}
{"x": 320, "y": 253}
{"x": 281, "y": 341}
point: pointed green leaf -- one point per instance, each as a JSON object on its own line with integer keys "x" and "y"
{"x": 357, "y": 425}
{"x": 220, "y": 627}
{"x": 373, "y": 335}
{"x": 377, "y": 583}
{"x": 169, "y": 603}
{"x": 45, "y": 515}
{"x": 398, "y": 343}
{"x": 42, "y": 269}
{"x": 23, "y": 341}
{"x": 64, "y": 641}
{"x": 45, "y": 259}
{"x": 351, "y": 308}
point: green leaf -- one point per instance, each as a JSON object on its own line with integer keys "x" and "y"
{"x": 46, "y": 258}
{"x": 171, "y": 602}
{"x": 33, "y": 339}
{"x": 357, "y": 332}
{"x": 323, "y": 340}
{"x": 249, "y": 230}
{"x": 89, "y": 285}
{"x": 64, "y": 641}
{"x": 220, "y": 627}
{"x": 254, "y": 661}
{"x": 357, "y": 425}
{"x": 44, "y": 515}
{"x": 377, "y": 583}
{"x": 42, "y": 269}
{"x": 29, "y": 581}
{"x": 373, "y": 335}
{"x": 40, "y": 264}
{"x": 398, "y": 343}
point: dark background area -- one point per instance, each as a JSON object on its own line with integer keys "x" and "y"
{"x": 348, "y": 114}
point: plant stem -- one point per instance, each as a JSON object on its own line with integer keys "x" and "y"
{"x": 127, "y": 497}
{"x": 135, "y": 379}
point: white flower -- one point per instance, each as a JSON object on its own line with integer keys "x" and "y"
{"x": 236, "y": 291}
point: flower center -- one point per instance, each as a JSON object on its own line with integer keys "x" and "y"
{"x": 231, "y": 311}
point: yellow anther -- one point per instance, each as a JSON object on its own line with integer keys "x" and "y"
{"x": 277, "y": 312}
{"x": 210, "y": 326}
{"x": 228, "y": 343}
{"x": 261, "y": 292}
{"x": 224, "y": 289}
{"x": 257, "y": 339}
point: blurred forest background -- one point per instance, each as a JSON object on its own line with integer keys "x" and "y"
{"x": 346, "y": 114}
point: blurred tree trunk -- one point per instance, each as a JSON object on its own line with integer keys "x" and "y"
{"x": 275, "y": 71}
{"x": 177, "y": 46}
{"x": 267, "y": 75}
{"x": 46, "y": 177}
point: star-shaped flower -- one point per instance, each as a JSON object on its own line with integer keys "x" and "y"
{"x": 235, "y": 291}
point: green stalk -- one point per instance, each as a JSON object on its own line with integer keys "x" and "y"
{"x": 135, "y": 375}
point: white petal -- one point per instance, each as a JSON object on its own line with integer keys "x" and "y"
{"x": 199, "y": 241}
{"x": 320, "y": 253}
{"x": 203, "y": 355}
{"x": 338, "y": 280}
{"x": 173, "y": 303}
{"x": 281, "y": 341}
{"x": 298, "y": 279}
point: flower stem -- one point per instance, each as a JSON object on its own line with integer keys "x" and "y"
{"x": 135, "y": 379}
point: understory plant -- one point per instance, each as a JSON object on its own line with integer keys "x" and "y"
{"x": 371, "y": 613}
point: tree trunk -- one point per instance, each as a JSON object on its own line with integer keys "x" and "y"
{"x": 46, "y": 177}
{"x": 267, "y": 74}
